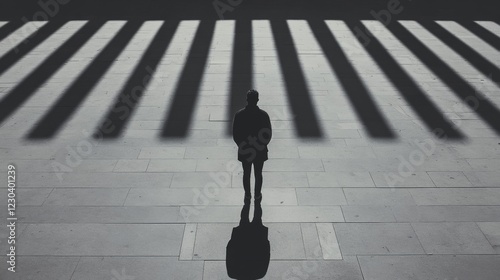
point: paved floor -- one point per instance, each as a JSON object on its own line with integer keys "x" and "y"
{"x": 384, "y": 162}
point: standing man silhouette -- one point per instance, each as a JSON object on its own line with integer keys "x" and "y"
{"x": 252, "y": 132}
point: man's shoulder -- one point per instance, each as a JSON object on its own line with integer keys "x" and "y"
{"x": 263, "y": 112}
{"x": 239, "y": 112}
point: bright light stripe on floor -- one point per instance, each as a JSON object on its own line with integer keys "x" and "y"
{"x": 58, "y": 83}
{"x": 410, "y": 79}
{"x": 483, "y": 48}
{"x": 63, "y": 78}
{"x": 391, "y": 43}
{"x": 21, "y": 34}
{"x": 167, "y": 76}
{"x": 493, "y": 27}
{"x": 365, "y": 66}
{"x": 96, "y": 104}
{"x": 352, "y": 68}
{"x": 267, "y": 78}
{"x": 460, "y": 65}
{"x": 15, "y": 73}
{"x": 217, "y": 76}
{"x": 316, "y": 69}
{"x": 2, "y": 23}
{"x": 471, "y": 97}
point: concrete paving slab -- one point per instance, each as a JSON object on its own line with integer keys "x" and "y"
{"x": 26, "y": 196}
{"x": 340, "y": 179}
{"x": 131, "y": 165}
{"x": 401, "y": 180}
{"x": 56, "y": 214}
{"x": 347, "y": 269}
{"x": 492, "y": 232}
{"x": 370, "y": 196}
{"x": 457, "y": 196}
{"x": 101, "y": 240}
{"x": 200, "y": 196}
{"x": 188, "y": 241}
{"x": 197, "y": 179}
{"x": 87, "y": 197}
{"x": 74, "y": 179}
{"x": 452, "y": 238}
{"x": 377, "y": 239}
{"x": 483, "y": 179}
{"x": 320, "y": 196}
{"x": 41, "y": 267}
{"x": 328, "y": 240}
{"x": 171, "y": 165}
{"x": 448, "y": 213}
{"x": 137, "y": 268}
{"x": 450, "y": 179}
{"x": 312, "y": 246}
{"x": 430, "y": 267}
{"x": 162, "y": 152}
{"x": 368, "y": 213}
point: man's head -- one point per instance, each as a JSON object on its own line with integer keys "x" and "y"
{"x": 252, "y": 97}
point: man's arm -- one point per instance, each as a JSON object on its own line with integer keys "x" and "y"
{"x": 267, "y": 132}
{"x": 236, "y": 130}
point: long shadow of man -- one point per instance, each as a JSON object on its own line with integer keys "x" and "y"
{"x": 248, "y": 252}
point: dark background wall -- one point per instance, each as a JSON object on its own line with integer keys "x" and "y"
{"x": 247, "y": 9}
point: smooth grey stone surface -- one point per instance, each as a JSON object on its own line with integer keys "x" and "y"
{"x": 368, "y": 213}
{"x": 137, "y": 268}
{"x": 492, "y": 233}
{"x": 40, "y": 267}
{"x": 448, "y": 213}
{"x": 98, "y": 214}
{"x": 478, "y": 267}
{"x": 372, "y": 196}
{"x": 87, "y": 197}
{"x": 320, "y": 196}
{"x": 25, "y": 196}
{"x": 452, "y": 238}
{"x": 340, "y": 179}
{"x": 101, "y": 240}
{"x": 377, "y": 239}
{"x": 347, "y": 269}
{"x": 457, "y": 196}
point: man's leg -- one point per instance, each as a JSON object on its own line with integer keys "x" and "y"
{"x": 247, "y": 170}
{"x": 257, "y": 169}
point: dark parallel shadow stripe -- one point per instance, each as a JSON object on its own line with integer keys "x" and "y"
{"x": 241, "y": 69}
{"x": 23, "y": 91}
{"x": 408, "y": 88}
{"x": 359, "y": 96}
{"x": 9, "y": 27}
{"x": 115, "y": 121}
{"x": 483, "y": 33}
{"x": 474, "y": 99}
{"x": 186, "y": 93}
{"x": 305, "y": 119}
{"x": 28, "y": 44}
{"x": 472, "y": 56}
{"x": 67, "y": 104}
